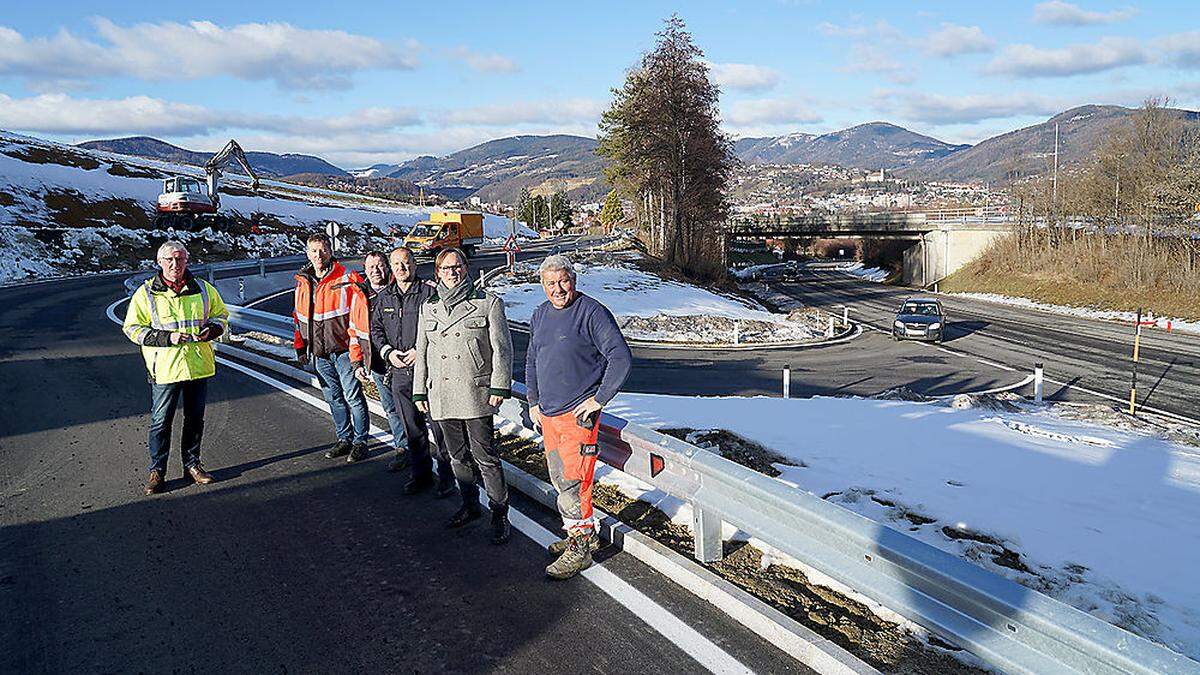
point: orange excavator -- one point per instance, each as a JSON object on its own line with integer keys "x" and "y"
{"x": 188, "y": 204}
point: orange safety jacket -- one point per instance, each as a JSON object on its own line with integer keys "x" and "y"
{"x": 327, "y": 315}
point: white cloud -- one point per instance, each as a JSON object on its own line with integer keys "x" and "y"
{"x": 484, "y": 63}
{"x": 952, "y": 40}
{"x": 292, "y": 57}
{"x": 564, "y": 111}
{"x": 1029, "y": 61}
{"x": 768, "y": 111}
{"x": 880, "y": 29}
{"x": 1183, "y": 49}
{"x": 871, "y": 58}
{"x": 62, "y": 114}
{"x": 58, "y": 113}
{"x": 744, "y": 76}
{"x": 1058, "y": 13}
{"x": 938, "y": 109}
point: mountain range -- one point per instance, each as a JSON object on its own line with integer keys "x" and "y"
{"x": 500, "y": 169}
{"x": 266, "y": 163}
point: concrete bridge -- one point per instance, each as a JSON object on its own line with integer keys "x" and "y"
{"x": 943, "y": 241}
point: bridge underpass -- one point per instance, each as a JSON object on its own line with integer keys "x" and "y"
{"x": 942, "y": 241}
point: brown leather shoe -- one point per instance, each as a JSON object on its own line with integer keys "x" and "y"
{"x": 198, "y": 474}
{"x": 154, "y": 484}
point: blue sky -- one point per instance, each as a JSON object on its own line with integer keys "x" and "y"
{"x": 382, "y": 82}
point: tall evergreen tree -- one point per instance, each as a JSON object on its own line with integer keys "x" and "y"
{"x": 611, "y": 214}
{"x": 667, "y": 152}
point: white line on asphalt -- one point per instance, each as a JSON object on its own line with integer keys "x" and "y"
{"x": 692, "y": 643}
{"x": 269, "y": 297}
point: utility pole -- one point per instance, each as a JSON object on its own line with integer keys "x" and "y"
{"x": 1054, "y": 196}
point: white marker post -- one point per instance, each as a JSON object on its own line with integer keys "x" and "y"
{"x": 846, "y": 317}
{"x": 262, "y": 267}
{"x": 1038, "y": 384}
{"x": 787, "y": 381}
{"x": 241, "y": 290}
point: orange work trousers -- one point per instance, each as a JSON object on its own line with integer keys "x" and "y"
{"x": 571, "y": 460}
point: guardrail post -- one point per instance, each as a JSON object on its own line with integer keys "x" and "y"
{"x": 1038, "y": 383}
{"x": 211, "y": 278}
{"x": 787, "y": 381}
{"x": 706, "y": 530}
{"x": 241, "y": 290}
{"x": 262, "y": 267}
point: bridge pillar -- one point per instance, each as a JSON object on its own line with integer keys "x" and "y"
{"x": 940, "y": 253}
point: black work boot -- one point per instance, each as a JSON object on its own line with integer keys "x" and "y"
{"x": 418, "y": 485}
{"x": 339, "y": 449}
{"x": 501, "y": 530}
{"x": 358, "y": 452}
{"x": 445, "y": 487}
{"x": 399, "y": 463}
{"x": 463, "y": 516}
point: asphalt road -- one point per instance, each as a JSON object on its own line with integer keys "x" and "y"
{"x": 1079, "y": 355}
{"x": 290, "y": 562}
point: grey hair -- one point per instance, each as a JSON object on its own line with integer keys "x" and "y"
{"x": 556, "y": 262}
{"x": 171, "y": 245}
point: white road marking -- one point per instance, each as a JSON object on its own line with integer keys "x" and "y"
{"x": 700, "y": 648}
{"x": 269, "y": 297}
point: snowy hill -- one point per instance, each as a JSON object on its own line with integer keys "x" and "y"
{"x": 69, "y": 210}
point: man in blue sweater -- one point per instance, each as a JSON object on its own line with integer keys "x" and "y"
{"x": 576, "y": 361}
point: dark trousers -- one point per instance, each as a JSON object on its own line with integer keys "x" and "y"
{"x": 472, "y": 449}
{"x": 164, "y": 399}
{"x": 416, "y": 430}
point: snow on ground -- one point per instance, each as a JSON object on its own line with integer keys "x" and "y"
{"x": 652, "y": 308}
{"x": 869, "y": 273}
{"x": 42, "y": 169}
{"x": 1086, "y": 312}
{"x": 1103, "y": 518}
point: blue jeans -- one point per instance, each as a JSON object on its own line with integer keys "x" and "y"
{"x": 345, "y": 397}
{"x": 164, "y": 399}
{"x": 389, "y": 406}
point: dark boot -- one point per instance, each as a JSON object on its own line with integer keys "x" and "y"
{"x": 400, "y": 462}
{"x": 339, "y": 449}
{"x": 463, "y": 516}
{"x": 358, "y": 452}
{"x": 154, "y": 484}
{"x": 501, "y": 530}
{"x": 418, "y": 485}
{"x": 445, "y": 487}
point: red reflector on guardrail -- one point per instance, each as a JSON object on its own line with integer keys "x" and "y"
{"x": 656, "y": 465}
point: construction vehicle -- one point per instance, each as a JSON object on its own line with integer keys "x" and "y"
{"x": 446, "y": 229}
{"x": 188, "y": 204}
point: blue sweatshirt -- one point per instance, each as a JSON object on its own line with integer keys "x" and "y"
{"x": 574, "y": 353}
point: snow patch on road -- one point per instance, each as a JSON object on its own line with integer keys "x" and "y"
{"x": 857, "y": 269}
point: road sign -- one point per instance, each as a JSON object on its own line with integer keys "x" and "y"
{"x": 332, "y": 229}
{"x": 511, "y": 244}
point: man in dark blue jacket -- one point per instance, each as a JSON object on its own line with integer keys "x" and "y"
{"x": 576, "y": 361}
{"x": 394, "y": 316}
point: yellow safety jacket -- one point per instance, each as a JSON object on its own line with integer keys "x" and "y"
{"x": 156, "y": 311}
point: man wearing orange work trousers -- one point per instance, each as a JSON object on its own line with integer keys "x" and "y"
{"x": 576, "y": 361}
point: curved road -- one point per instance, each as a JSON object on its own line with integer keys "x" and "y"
{"x": 290, "y": 562}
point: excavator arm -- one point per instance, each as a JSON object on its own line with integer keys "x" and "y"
{"x": 231, "y": 152}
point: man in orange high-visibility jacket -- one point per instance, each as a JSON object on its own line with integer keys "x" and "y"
{"x": 327, "y": 332}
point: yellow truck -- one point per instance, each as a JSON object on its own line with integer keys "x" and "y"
{"x": 446, "y": 229}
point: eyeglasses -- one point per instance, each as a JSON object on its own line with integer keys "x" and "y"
{"x": 452, "y": 267}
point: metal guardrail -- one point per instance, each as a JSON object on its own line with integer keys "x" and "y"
{"x": 1011, "y": 627}
{"x": 209, "y": 270}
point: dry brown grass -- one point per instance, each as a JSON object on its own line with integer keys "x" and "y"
{"x": 1117, "y": 272}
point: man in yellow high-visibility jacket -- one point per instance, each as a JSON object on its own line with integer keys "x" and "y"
{"x": 174, "y": 316}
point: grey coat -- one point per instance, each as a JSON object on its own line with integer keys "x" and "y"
{"x": 462, "y": 357}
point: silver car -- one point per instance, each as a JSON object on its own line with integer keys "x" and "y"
{"x": 920, "y": 319}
